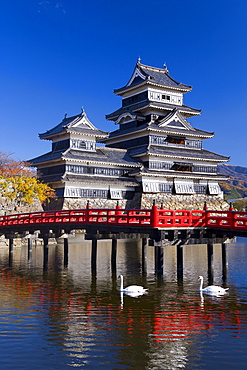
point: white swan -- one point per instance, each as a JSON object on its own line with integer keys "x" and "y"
{"x": 211, "y": 289}
{"x": 132, "y": 290}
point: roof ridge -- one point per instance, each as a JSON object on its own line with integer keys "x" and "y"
{"x": 163, "y": 70}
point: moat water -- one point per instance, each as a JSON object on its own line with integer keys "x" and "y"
{"x": 65, "y": 317}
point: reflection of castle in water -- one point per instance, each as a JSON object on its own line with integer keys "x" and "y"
{"x": 85, "y": 316}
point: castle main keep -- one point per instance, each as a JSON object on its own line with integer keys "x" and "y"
{"x": 154, "y": 154}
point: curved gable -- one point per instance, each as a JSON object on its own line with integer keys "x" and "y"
{"x": 175, "y": 119}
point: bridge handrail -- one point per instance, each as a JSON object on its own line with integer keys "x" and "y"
{"x": 155, "y": 217}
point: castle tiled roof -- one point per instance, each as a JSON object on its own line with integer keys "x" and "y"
{"x": 47, "y": 157}
{"x": 178, "y": 174}
{"x": 179, "y": 153}
{"x": 160, "y": 76}
{"x": 165, "y": 129}
{"x": 92, "y": 179}
{"x": 111, "y": 156}
{"x": 139, "y": 106}
{"x": 77, "y": 124}
{"x": 103, "y": 180}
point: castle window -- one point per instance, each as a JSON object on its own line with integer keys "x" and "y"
{"x": 166, "y": 97}
{"x": 82, "y": 145}
{"x": 184, "y": 167}
{"x": 213, "y": 187}
{"x": 184, "y": 186}
{"x": 175, "y": 140}
{"x": 150, "y": 187}
{"x": 134, "y": 98}
{"x": 116, "y": 194}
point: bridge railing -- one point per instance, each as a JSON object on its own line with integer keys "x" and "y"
{"x": 155, "y": 217}
{"x": 179, "y": 218}
{"x": 84, "y": 216}
{"x": 226, "y": 219}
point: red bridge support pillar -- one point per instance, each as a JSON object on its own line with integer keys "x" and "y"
{"x": 210, "y": 250}
{"x": 65, "y": 252}
{"x": 114, "y": 257}
{"x": 30, "y": 247}
{"x": 224, "y": 261}
{"x": 46, "y": 250}
{"x": 159, "y": 260}
{"x": 144, "y": 255}
{"x": 94, "y": 256}
{"x": 11, "y": 249}
{"x": 180, "y": 262}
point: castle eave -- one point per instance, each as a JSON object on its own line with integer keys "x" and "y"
{"x": 175, "y": 131}
{"x": 182, "y": 157}
{"x": 182, "y": 175}
{"x": 121, "y": 91}
{"x": 144, "y": 105}
{"x": 100, "y": 180}
{"x": 89, "y": 161}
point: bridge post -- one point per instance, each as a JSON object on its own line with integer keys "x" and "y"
{"x": 94, "y": 256}
{"x": 114, "y": 256}
{"x": 87, "y": 212}
{"x": 29, "y": 246}
{"x": 159, "y": 255}
{"x": 205, "y": 209}
{"x": 224, "y": 260}
{"x": 210, "y": 250}
{"x": 180, "y": 262}
{"x": 144, "y": 255}
{"x": 65, "y": 252}
{"x": 154, "y": 215}
{"x": 46, "y": 250}
{"x": 11, "y": 249}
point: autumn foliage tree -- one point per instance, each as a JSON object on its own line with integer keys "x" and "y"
{"x": 18, "y": 182}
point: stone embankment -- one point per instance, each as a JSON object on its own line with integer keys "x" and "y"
{"x": 8, "y": 207}
{"x": 145, "y": 201}
{"x": 190, "y": 202}
{"x": 139, "y": 201}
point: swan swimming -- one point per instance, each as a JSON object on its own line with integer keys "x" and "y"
{"x": 132, "y": 290}
{"x": 211, "y": 289}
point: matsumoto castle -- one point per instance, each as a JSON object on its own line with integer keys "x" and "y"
{"x": 154, "y": 154}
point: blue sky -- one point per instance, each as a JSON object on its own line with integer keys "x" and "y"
{"x": 59, "y": 56}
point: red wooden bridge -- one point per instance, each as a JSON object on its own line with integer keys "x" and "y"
{"x": 142, "y": 218}
{"x": 157, "y": 227}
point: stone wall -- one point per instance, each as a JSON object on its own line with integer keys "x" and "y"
{"x": 79, "y": 203}
{"x": 10, "y": 207}
{"x": 192, "y": 201}
{"x": 145, "y": 201}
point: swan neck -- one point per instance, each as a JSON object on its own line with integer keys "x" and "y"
{"x": 201, "y": 283}
{"x": 121, "y": 282}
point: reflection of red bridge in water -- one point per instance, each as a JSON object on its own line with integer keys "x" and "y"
{"x": 165, "y": 321}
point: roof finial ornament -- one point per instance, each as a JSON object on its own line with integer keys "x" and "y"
{"x": 82, "y": 110}
{"x": 65, "y": 116}
{"x": 139, "y": 59}
{"x": 165, "y": 67}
